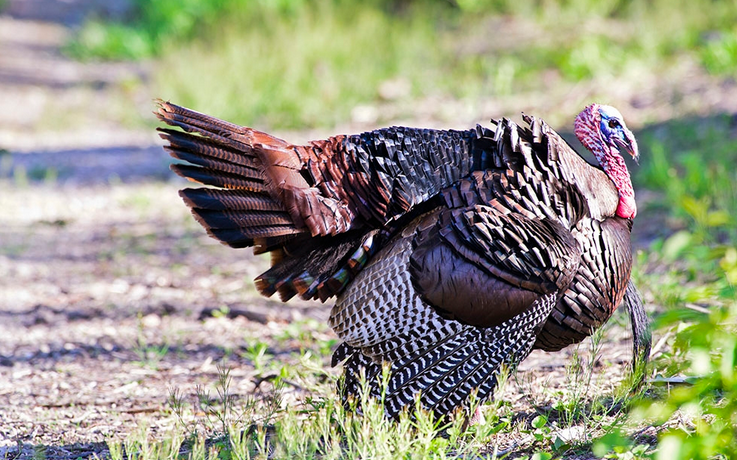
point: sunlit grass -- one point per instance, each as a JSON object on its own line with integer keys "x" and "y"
{"x": 298, "y": 71}
{"x": 308, "y": 63}
{"x": 269, "y": 423}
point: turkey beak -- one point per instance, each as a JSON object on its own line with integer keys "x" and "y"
{"x": 628, "y": 143}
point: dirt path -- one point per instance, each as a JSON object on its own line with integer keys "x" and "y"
{"x": 106, "y": 296}
{"x": 50, "y": 102}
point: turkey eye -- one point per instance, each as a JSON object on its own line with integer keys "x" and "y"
{"x": 613, "y": 123}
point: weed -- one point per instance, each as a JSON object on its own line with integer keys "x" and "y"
{"x": 148, "y": 354}
{"x": 257, "y": 354}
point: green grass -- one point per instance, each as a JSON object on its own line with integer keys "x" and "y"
{"x": 297, "y": 72}
{"x": 265, "y": 425}
{"x": 691, "y": 162}
{"x": 309, "y": 63}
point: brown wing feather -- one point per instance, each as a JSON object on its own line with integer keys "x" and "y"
{"x": 482, "y": 266}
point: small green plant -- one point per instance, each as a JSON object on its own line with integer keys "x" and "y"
{"x": 148, "y": 354}
{"x": 257, "y": 354}
{"x": 708, "y": 341}
{"x": 615, "y": 445}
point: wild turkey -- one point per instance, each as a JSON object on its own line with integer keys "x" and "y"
{"x": 450, "y": 252}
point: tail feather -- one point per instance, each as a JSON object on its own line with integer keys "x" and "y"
{"x": 242, "y": 237}
{"x": 240, "y": 218}
{"x": 167, "y": 109}
{"x": 216, "y": 178}
{"x": 202, "y": 151}
{"x": 233, "y": 200}
{"x": 205, "y": 128}
{"x": 244, "y": 219}
{"x": 214, "y": 167}
{"x": 222, "y": 132}
{"x": 266, "y": 199}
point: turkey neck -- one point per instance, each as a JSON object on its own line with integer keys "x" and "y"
{"x": 615, "y": 167}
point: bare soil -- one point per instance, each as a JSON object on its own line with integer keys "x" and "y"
{"x": 111, "y": 296}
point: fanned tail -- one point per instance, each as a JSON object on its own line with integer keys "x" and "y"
{"x": 243, "y": 211}
{"x": 315, "y": 206}
{"x": 262, "y": 200}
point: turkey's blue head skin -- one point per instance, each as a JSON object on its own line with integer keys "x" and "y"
{"x": 615, "y": 132}
{"x": 601, "y": 129}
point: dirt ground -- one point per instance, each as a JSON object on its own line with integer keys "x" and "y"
{"x": 95, "y": 285}
{"x": 111, "y": 296}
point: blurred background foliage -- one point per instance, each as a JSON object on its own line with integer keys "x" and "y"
{"x": 305, "y": 63}
{"x": 301, "y": 64}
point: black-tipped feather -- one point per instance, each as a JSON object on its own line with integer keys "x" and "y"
{"x": 216, "y": 130}
{"x": 217, "y": 166}
{"x": 234, "y": 200}
{"x": 244, "y": 219}
{"x": 217, "y": 178}
{"x": 241, "y": 238}
{"x": 200, "y": 148}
